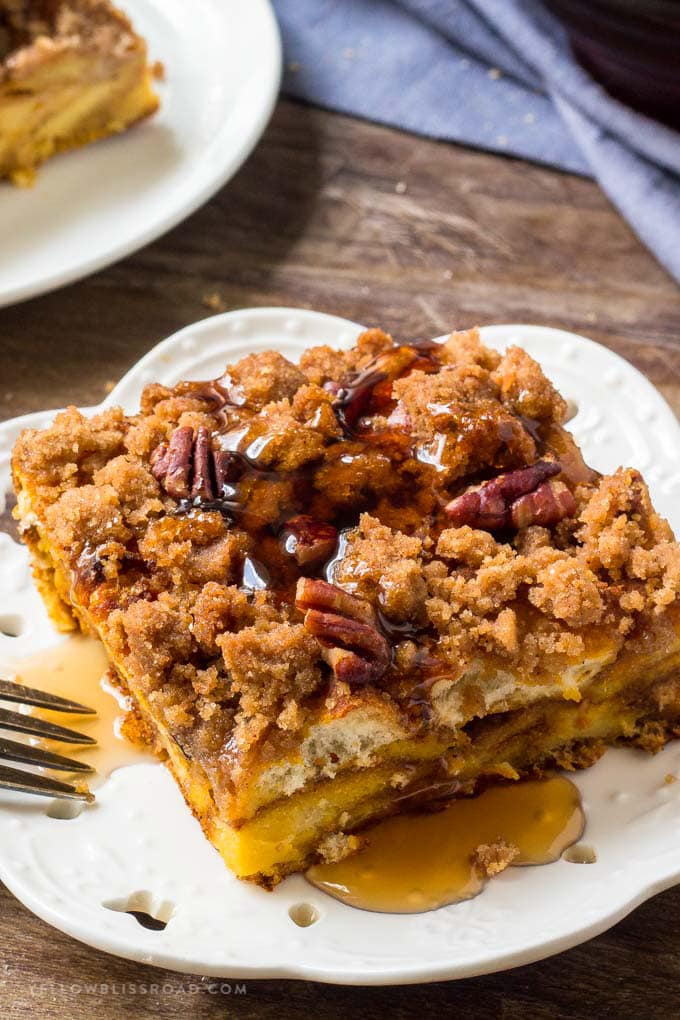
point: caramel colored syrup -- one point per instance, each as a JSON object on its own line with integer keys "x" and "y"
{"x": 414, "y": 863}
{"x": 77, "y": 669}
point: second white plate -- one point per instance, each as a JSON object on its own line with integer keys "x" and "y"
{"x": 91, "y": 207}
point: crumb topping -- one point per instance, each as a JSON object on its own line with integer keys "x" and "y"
{"x": 492, "y": 858}
{"x": 33, "y": 32}
{"x": 201, "y": 535}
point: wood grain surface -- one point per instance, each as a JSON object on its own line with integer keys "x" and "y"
{"x": 387, "y": 229}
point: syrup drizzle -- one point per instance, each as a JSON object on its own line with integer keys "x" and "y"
{"x": 239, "y": 473}
{"x": 415, "y": 863}
{"x": 357, "y": 396}
{"x": 256, "y": 577}
{"x": 77, "y": 669}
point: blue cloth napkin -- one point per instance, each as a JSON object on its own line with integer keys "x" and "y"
{"x": 496, "y": 74}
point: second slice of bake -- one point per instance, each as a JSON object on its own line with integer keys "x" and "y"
{"x": 71, "y": 72}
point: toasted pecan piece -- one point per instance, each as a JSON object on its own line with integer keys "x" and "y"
{"x": 203, "y": 486}
{"x": 313, "y": 593}
{"x": 171, "y": 463}
{"x": 308, "y": 540}
{"x": 345, "y": 627}
{"x": 351, "y": 668}
{"x": 514, "y": 500}
{"x": 342, "y": 631}
{"x": 550, "y": 503}
{"x": 188, "y": 467}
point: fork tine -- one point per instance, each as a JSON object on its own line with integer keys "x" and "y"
{"x": 26, "y": 754}
{"x": 40, "y": 728}
{"x": 10, "y": 691}
{"x": 42, "y": 786}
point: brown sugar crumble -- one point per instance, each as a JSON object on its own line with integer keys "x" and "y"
{"x": 492, "y": 858}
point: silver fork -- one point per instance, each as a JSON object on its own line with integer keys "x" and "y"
{"x": 27, "y": 754}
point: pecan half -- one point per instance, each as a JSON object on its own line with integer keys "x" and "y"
{"x": 229, "y": 467}
{"x": 171, "y": 463}
{"x": 550, "y": 503}
{"x": 159, "y": 462}
{"x": 308, "y": 540}
{"x": 350, "y": 668}
{"x": 203, "y": 486}
{"x": 514, "y": 500}
{"x": 343, "y": 632}
{"x": 188, "y": 467}
{"x": 315, "y": 594}
{"x": 345, "y": 627}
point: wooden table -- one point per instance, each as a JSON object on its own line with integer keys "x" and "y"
{"x": 384, "y": 228}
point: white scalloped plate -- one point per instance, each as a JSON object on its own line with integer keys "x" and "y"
{"x": 140, "y": 838}
{"x": 94, "y": 206}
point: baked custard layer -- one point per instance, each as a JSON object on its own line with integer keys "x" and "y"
{"x": 351, "y": 586}
{"x": 71, "y": 72}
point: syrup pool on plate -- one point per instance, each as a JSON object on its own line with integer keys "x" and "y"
{"x": 414, "y": 863}
{"x": 77, "y": 669}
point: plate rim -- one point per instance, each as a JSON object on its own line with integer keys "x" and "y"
{"x": 269, "y": 83}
